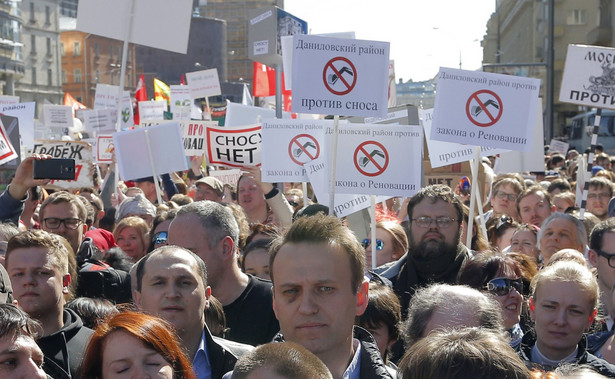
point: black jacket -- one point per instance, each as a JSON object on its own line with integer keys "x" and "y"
{"x": 583, "y": 357}
{"x": 223, "y": 354}
{"x": 64, "y": 349}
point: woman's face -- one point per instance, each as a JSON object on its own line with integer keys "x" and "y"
{"x": 562, "y": 312}
{"x": 382, "y": 256}
{"x": 130, "y": 241}
{"x": 125, "y": 356}
{"x": 257, "y": 263}
{"x": 249, "y": 194}
{"x": 164, "y": 228}
{"x": 505, "y": 239}
{"x": 524, "y": 242}
{"x": 511, "y": 303}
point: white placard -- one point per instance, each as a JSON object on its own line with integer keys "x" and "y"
{"x": 95, "y": 16}
{"x": 128, "y": 120}
{"x": 104, "y": 148}
{"x": 167, "y": 150}
{"x": 227, "y": 176}
{"x": 25, "y": 114}
{"x": 58, "y": 115}
{"x": 234, "y": 146}
{"x": 558, "y": 147}
{"x": 152, "y": 110}
{"x": 345, "y": 204}
{"x": 484, "y": 109}
{"x": 81, "y": 152}
{"x": 377, "y": 159}
{"x": 239, "y": 114}
{"x": 516, "y": 161}
{"x": 7, "y": 99}
{"x": 7, "y": 151}
{"x": 288, "y": 145}
{"x": 106, "y": 96}
{"x": 193, "y": 133}
{"x": 203, "y": 83}
{"x": 340, "y": 76}
{"x": 588, "y": 77}
{"x": 446, "y": 153}
{"x": 181, "y": 102}
{"x": 98, "y": 120}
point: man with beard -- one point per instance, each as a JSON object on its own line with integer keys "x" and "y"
{"x": 436, "y": 254}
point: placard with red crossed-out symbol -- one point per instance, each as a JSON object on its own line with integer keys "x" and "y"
{"x": 371, "y": 158}
{"x": 339, "y": 76}
{"x": 484, "y": 108}
{"x": 303, "y": 149}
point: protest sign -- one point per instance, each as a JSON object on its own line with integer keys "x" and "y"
{"x": 181, "y": 103}
{"x": 24, "y": 112}
{"x": 446, "y": 153}
{"x": 58, "y": 115}
{"x": 7, "y": 99}
{"x": 81, "y": 152}
{"x": 345, "y": 204}
{"x": 227, "y": 176}
{"x": 484, "y": 109}
{"x": 239, "y": 114}
{"x": 234, "y": 146}
{"x": 288, "y": 145}
{"x": 340, "y": 76}
{"x": 127, "y": 120}
{"x": 144, "y": 152}
{"x": 557, "y": 146}
{"x": 193, "y": 133}
{"x": 588, "y": 77}
{"x": 203, "y": 83}
{"x": 516, "y": 161}
{"x": 98, "y": 120}
{"x": 95, "y": 16}
{"x": 106, "y": 96}
{"x": 11, "y": 129}
{"x": 104, "y": 148}
{"x": 377, "y": 159}
{"x": 152, "y": 110}
{"x": 7, "y": 151}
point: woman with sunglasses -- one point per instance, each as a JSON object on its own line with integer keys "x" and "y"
{"x": 563, "y": 305}
{"x": 500, "y": 277}
{"x": 391, "y": 243}
{"x": 160, "y": 229}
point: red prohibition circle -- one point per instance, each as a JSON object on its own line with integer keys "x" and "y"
{"x": 484, "y": 109}
{"x": 370, "y": 159}
{"x": 349, "y": 87}
{"x": 295, "y": 142}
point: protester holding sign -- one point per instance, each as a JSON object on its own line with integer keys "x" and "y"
{"x": 262, "y": 202}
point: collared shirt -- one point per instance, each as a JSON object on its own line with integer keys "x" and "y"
{"x": 200, "y": 363}
{"x": 354, "y": 368}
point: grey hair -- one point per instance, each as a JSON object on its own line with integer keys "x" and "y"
{"x": 579, "y": 226}
{"x": 216, "y": 219}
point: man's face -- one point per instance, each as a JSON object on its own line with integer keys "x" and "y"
{"x": 65, "y": 211}
{"x": 559, "y": 234}
{"x": 433, "y": 241}
{"x": 534, "y": 209}
{"x": 598, "y": 201}
{"x": 313, "y": 296}
{"x": 205, "y": 192}
{"x": 20, "y": 357}
{"x": 249, "y": 194}
{"x": 187, "y": 231}
{"x": 173, "y": 290}
{"x": 148, "y": 188}
{"x": 38, "y": 285}
{"x": 606, "y": 273}
{"x": 504, "y": 200}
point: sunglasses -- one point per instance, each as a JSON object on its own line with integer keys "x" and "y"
{"x": 160, "y": 238}
{"x": 366, "y": 242}
{"x": 503, "y": 286}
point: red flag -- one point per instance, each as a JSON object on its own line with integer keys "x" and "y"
{"x": 140, "y": 95}
{"x": 71, "y": 101}
{"x": 182, "y": 80}
{"x": 264, "y": 81}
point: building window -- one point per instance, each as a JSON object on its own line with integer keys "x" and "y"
{"x": 62, "y": 49}
{"x": 63, "y": 76}
{"x": 48, "y": 46}
{"x": 47, "y": 15}
{"x": 33, "y": 75}
{"x": 77, "y": 75}
{"x": 119, "y": 53}
{"x": 576, "y": 17}
{"x": 76, "y": 49}
{"x": 32, "y": 19}
{"x": 33, "y": 43}
{"x": 110, "y": 53}
{"x": 97, "y": 77}
{"x": 96, "y": 49}
{"x": 112, "y": 74}
{"x": 49, "y": 78}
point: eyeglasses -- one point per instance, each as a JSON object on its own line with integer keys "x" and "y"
{"x": 504, "y": 195}
{"x": 610, "y": 257}
{"x": 366, "y": 242}
{"x": 442, "y": 222}
{"x": 160, "y": 238}
{"x": 503, "y": 286}
{"x": 69, "y": 223}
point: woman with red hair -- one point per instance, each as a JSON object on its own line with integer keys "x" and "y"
{"x": 131, "y": 343}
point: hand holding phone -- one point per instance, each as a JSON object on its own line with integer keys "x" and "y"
{"x": 56, "y": 168}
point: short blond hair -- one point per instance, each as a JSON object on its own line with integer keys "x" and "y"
{"x": 568, "y": 271}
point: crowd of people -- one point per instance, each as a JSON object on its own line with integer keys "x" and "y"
{"x": 256, "y": 280}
